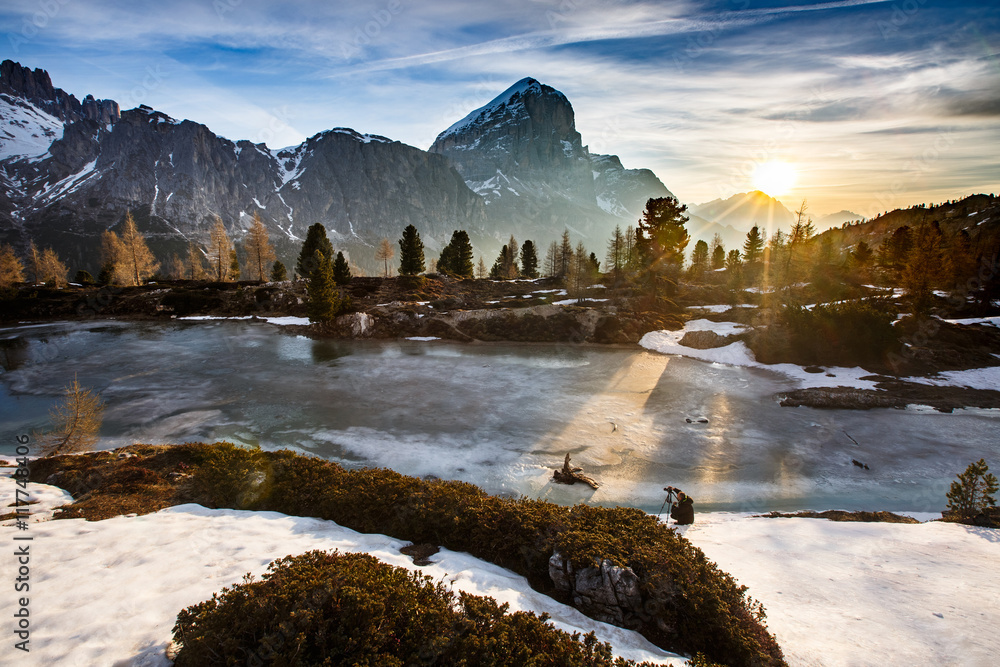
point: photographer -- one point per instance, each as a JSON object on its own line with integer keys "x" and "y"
{"x": 683, "y": 510}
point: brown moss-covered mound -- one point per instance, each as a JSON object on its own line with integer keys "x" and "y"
{"x": 685, "y": 603}
{"x": 351, "y": 609}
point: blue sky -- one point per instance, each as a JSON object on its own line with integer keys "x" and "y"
{"x": 876, "y": 104}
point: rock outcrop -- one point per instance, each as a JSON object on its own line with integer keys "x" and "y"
{"x": 607, "y": 593}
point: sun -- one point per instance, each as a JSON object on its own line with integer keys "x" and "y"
{"x": 774, "y": 178}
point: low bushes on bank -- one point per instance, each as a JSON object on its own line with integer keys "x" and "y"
{"x": 689, "y": 605}
{"x": 351, "y": 609}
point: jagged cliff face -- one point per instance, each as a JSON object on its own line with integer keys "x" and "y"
{"x": 70, "y": 170}
{"x": 66, "y": 181}
{"x": 36, "y": 88}
{"x": 523, "y": 155}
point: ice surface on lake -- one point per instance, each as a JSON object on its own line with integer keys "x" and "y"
{"x": 501, "y": 415}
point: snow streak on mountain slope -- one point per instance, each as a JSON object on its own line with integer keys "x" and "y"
{"x": 25, "y": 130}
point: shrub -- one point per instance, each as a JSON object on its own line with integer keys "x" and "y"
{"x": 849, "y": 333}
{"x": 693, "y": 605}
{"x": 973, "y": 493}
{"x": 230, "y": 476}
{"x": 351, "y": 609}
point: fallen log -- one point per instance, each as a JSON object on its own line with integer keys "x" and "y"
{"x": 570, "y": 475}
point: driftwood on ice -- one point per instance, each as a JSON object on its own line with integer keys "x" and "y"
{"x": 570, "y": 475}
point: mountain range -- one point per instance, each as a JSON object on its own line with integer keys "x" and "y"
{"x": 70, "y": 170}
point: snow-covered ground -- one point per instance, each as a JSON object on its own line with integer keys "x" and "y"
{"x": 108, "y": 592}
{"x": 866, "y": 593}
{"x": 738, "y": 354}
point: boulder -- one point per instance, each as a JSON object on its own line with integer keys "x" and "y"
{"x": 608, "y": 592}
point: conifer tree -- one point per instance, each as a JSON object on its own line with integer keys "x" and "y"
{"x": 565, "y": 255}
{"x": 411, "y": 252}
{"x": 52, "y": 270}
{"x": 501, "y": 264}
{"x": 615, "y": 259}
{"x": 11, "y": 269}
{"x": 136, "y": 263}
{"x": 753, "y": 248}
{"x": 974, "y": 491}
{"x": 76, "y": 421}
{"x": 717, "y": 253}
{"x": 258, "y": 248}
{"x": 529, "y": 260}
{"x": 923, "y": 266}
{"x": 552, "y": 262}
{"x": 324, "y": 301}
{"x": 699, "y": 258}
{"x": 234, "y": 266}
{"x": 316, "y": 239}
{"x": 341, "y": 270}
{"x": 384, "y": 253}
{"x": 278, "y": 272}
{"x": 35, "y": 264}
{"x": 456, "y": 257}
{"x": 481, "y": 268}
{"x": 111, "y": 259}
{"x": 195, "y": 263}
{"x": 218, "y": 251}
{"x": 661, "y": 240}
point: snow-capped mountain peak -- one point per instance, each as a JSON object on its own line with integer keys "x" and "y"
{"x": 509, "y": 98}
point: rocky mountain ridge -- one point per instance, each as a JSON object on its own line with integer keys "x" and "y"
{"x": 522, "y": 153}
{"x": 70, "y": 170}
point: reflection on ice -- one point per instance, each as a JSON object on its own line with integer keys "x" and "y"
{"x": 500, "y": 416}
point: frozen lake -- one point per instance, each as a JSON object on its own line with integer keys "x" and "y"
{"x": 498, "y": 415}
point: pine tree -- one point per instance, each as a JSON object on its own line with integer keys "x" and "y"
{"x": 974, "y": 491}
{"x": 717, "y": 253}
{"x": 511, "y": 268}
{"x": 615, "y": 260}
{"x": 195, "y": 263}
{"x": 136, "y": 262}
{"x": 52, "y": 270}
{"x": 278, "y": 273}
{"x": 411, "y": 252}
{"x": 11, "y": 269}
{"x": 565, "y": 255}
{"x": 529, "y": 260}
{"x": 76, "y": 421}
{"x": 552, "y": 263}
{"x": 661, "y": 240}
{"x": 923, "y": 266}
{"x": 234, "y": 266}
{"x": 582, "y": 272}
{"x": 341, "y": 270}
{"x": 111, "y": 259}
{"x": 384, "y": 253}
{"x": 324, "y": 301}
{"x": 316, "y": 239}
{"x": 699, "y": 258}
{"x": 962, "y": 268}
{"x": 753, "y": 247}
{"x": 258, "y": 248}
{"x": 501, "y": 264}
{"x": 481, "y": 268}
{"x": 218, "y": 251}
{"x": 35, "y": 264}
{"x": 456, "y": 257}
